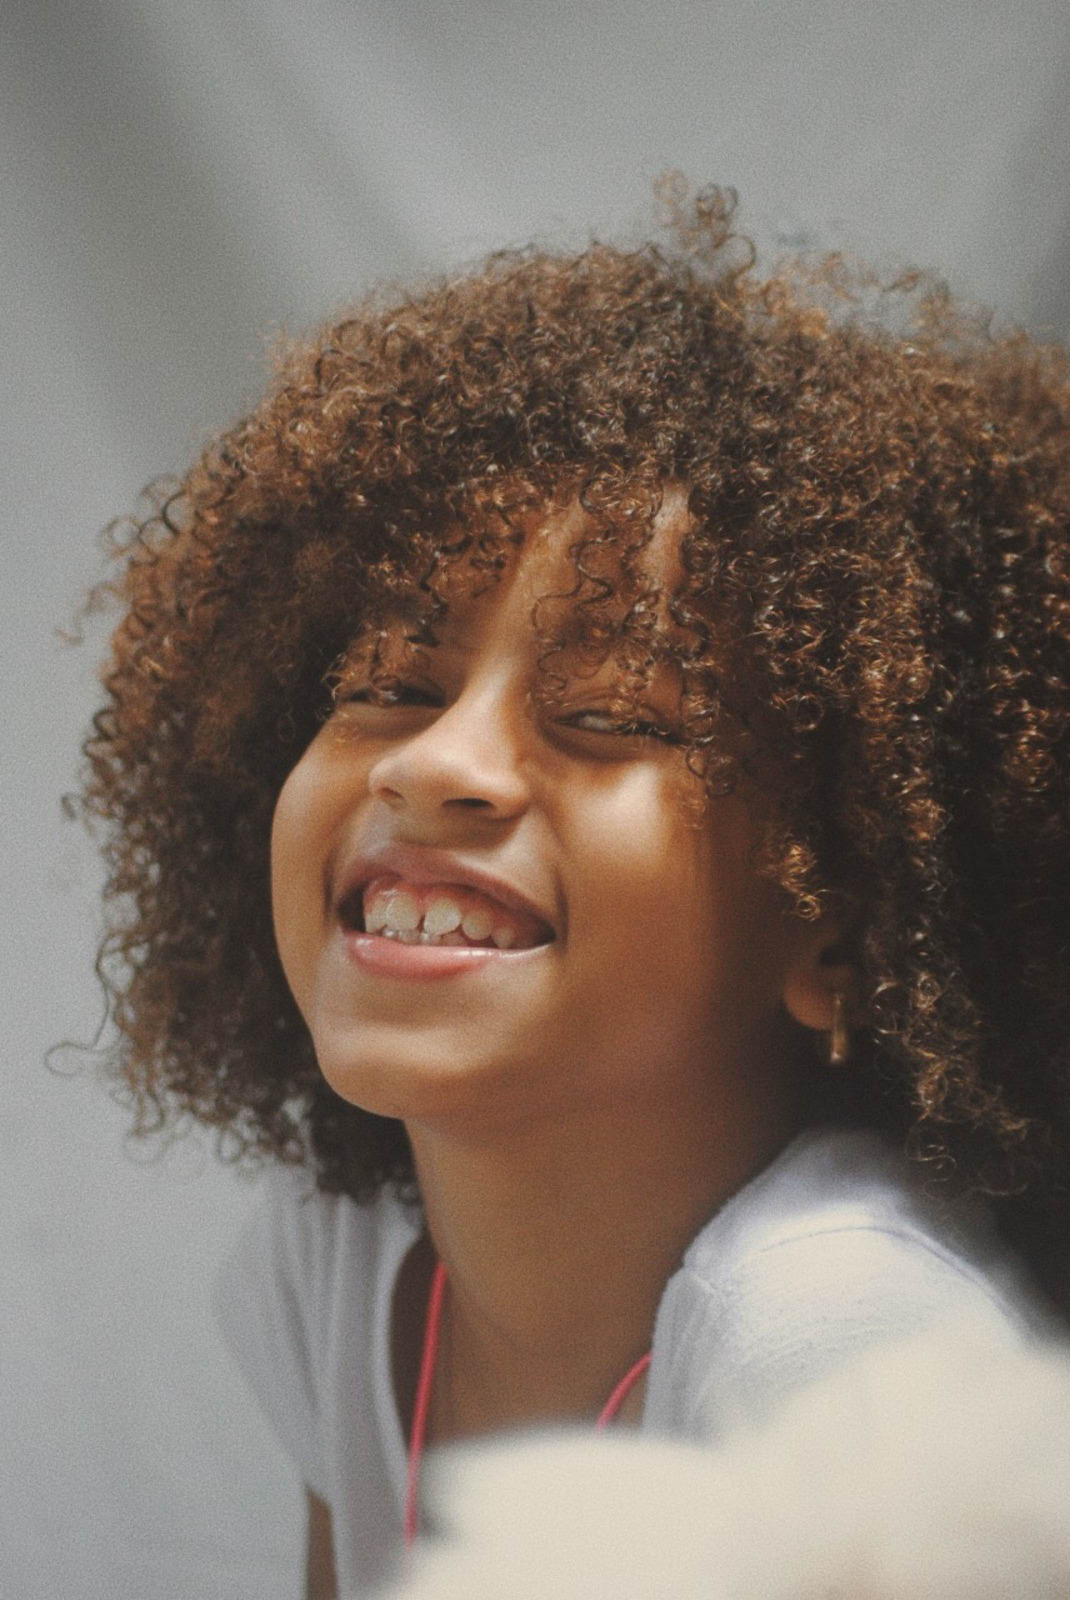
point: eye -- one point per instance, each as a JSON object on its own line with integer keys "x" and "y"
{"x": 623, "y": 727}
{"x": 389, "y": 694}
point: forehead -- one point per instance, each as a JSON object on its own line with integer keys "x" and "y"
{"x": 573, "y": 577}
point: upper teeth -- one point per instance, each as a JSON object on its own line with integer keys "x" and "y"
{"x": 396, "y": 913}
{"x": 442, "y": 916}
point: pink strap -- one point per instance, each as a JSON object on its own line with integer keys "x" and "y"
{"x": 423, "y": 1400}
{"x": 621, "y": 1393}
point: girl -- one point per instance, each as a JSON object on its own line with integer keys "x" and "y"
{"x": 586, "y": 768}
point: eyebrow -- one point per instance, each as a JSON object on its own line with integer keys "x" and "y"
{"x": 573, "y": 631}
{"x": 451, "y": 627}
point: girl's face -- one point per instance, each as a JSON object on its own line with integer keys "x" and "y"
{"x": 648, "y": 960}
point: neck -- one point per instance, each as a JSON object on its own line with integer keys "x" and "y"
{"x": 559, "y": 1242}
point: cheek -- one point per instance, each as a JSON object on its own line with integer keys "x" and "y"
{"x": 670, "y": 900}
{"x": 637, "y": 880}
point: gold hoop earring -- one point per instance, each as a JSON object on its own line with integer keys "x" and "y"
{"x": 840, "y": 1033}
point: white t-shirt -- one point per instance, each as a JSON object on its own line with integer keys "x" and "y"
{"x": 834, "y": 1248}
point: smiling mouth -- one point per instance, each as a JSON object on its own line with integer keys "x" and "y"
{"x": 450, "y": 915}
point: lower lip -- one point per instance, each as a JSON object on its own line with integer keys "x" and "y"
{"x": 389, "y": 958}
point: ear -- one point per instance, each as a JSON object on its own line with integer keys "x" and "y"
{"x": 821, "y": 967}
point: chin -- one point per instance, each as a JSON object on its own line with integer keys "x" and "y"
{"x": 410, "y": 1082}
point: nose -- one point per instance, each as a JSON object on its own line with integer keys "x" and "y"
{"x": 467, "y": 761}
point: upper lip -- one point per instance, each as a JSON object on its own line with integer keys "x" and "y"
{"x": 425, "y": 866}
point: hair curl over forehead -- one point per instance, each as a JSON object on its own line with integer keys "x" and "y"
{"x": 872, "y": 624}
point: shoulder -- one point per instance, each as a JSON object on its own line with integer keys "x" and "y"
{"x": 850, "y": 1194}
{"x": 296, "y": 1303}
{"x": 835, "y": 1248}
{"x": 297, "y": 1215}
{"x": 296, "y": 1229}
{"x": 302, "y": 1253}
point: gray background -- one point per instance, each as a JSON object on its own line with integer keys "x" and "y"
{"x": 179, "y": 181}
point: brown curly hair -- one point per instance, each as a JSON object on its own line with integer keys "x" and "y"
{"x": 874, "y": 621}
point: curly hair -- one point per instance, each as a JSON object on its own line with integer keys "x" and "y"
{"x": 873, "y": 624}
